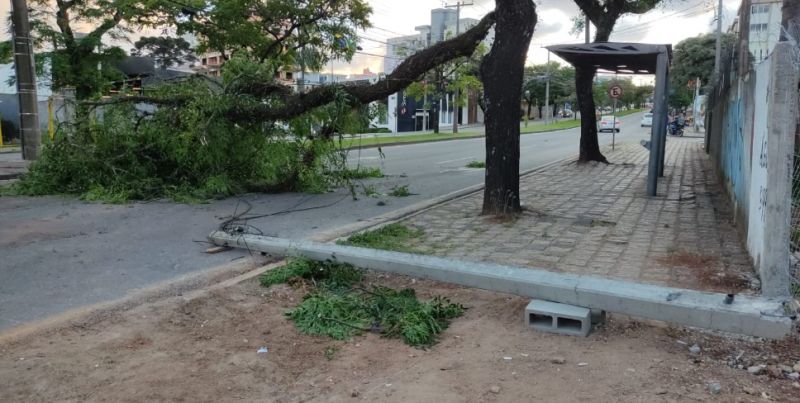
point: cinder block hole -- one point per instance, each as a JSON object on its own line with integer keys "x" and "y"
{"x": 569, "y": 324}
{"x": 535, "y": 319}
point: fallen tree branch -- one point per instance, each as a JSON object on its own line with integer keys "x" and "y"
{"x": 406, "y": 73}
{"x": 293, "y": 104}
{"x": 140, "y": 99}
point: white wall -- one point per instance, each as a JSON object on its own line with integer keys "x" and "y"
{"x": 7, "y": 71}
{"x": 758, "y": 166}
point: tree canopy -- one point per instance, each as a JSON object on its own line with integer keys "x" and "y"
{"x": 167, "y": 51}
{"x": 562, "y": 84}
{"x": 693, "y": 58}
{"x": 275, "y": 31}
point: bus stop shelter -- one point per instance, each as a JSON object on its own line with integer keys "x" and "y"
{"x": 631, "y": 58}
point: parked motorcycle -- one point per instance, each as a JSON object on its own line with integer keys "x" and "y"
{"x": 675, "y": 128}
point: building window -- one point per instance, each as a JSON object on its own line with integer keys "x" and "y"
{"x": 289, "y": 75}
{"x": 758, "y": 27}
{"x": 204, "y": 61}
{"x": 759, "y": 9}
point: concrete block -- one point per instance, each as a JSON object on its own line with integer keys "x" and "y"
{"x": 598, "y": 317}
{"x": 558, "y": 318}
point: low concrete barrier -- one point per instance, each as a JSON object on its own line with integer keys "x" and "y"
{"x": 748, "y": 315}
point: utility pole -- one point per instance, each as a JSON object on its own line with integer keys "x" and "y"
{"x": 26, "y": 81}
{"x": 547, "y": 92}
{"x": 587, "y": 26}
{"x": 718, "y": 53}
{"x": 457, "y": 6}
{"x": 695, "y": 109}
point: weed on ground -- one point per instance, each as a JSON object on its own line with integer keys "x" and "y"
{"x": 476, "y": 164}
{"x": 396, "y": 237}
{"x": 400, "y": 191}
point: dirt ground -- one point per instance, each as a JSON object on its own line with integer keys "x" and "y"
{"x": 205, "y": 349}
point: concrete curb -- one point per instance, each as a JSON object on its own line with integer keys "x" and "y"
{"x": 417, "y": 208}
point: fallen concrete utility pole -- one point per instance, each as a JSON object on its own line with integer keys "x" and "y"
{"x": 749, "y": 315}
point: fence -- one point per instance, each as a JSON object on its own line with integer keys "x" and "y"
{"x": 751, "y": 130}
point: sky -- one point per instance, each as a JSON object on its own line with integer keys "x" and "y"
{"x": 671, "y": 22}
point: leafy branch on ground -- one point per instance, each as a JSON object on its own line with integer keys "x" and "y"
{"x": 191, "y": 153}
{"x": 476, "y": 164}
{"x": 328, "y": 275}
{"x": 340, "y": 308}
{"x": 396, "y": 237}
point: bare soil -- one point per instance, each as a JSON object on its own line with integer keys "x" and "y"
{"x": 203, "y": 349}
{"x": 708, "y": 272}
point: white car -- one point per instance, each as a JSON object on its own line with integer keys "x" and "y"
{"x": 607, "y": 123}
{"x": 647, "y": 120}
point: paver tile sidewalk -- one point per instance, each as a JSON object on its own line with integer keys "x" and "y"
{"x": 595, "y": 219}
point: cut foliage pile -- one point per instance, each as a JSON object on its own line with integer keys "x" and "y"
{"x": 340, "y": 307}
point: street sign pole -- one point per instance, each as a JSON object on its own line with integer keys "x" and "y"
{"x": 614, "y": 92}
{"x": 614, "y": 125}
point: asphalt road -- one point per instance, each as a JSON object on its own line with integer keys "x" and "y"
{"x": 60, "y": 253}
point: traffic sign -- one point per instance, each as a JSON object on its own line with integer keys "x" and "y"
{"x": 615, "y": 91}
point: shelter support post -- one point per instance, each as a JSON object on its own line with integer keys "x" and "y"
{"x": 658, "y": 134}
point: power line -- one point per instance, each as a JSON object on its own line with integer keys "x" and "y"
{"x": 639, "y": 28}
{"x": 658, "y": 19}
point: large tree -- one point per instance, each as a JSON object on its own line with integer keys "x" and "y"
{"x": 604, "y": 14}
{"x": 693, "y": 58}
{"x": 501, "y": 72}
{"x": 534, "y": 87}
{"x": 84, "y": 60}
{"x": 277, "y": 32}
{"x": 167, "y": 51}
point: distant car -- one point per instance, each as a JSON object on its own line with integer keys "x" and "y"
{"x": 647, "y": 120}
{"x": 607, "y": 123}
{"x": 566, "y": 113}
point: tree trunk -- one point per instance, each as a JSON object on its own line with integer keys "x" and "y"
{"x": 501, "y": 72}
{"x": 590, "y": 147}
{"x": 791, "y": 20}
{"x": 528, "y": 115}
{"x": 539, "y": 107}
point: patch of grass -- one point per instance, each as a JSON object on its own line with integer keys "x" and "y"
{"x": 476, "y": 164}
{"x": 400, "y": 191}
{"x": 362, "y": 173}
{"x": 560, "y": 125}
{"x": 8, "y": 190}
{"x": 394, "y": 237}
{"x": 382, "y": 310}
{"x": 330, "y": 275}
{"x": 411, "y": 138}
{"x": 629, "y": 112}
